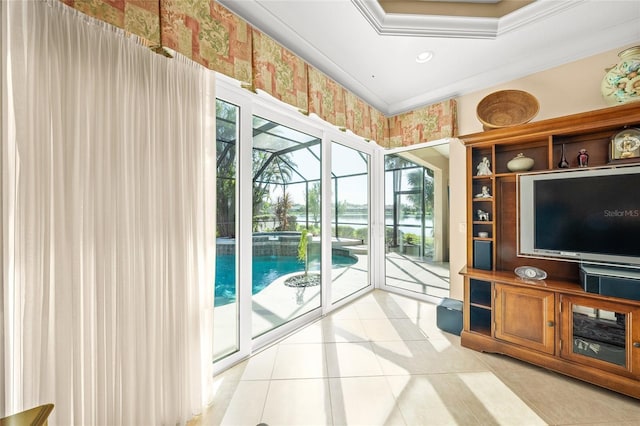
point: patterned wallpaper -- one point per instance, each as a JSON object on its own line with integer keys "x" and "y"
{"x": 208, "y": 33}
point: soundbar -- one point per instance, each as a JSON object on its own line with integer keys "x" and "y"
{"x": 611, "y": 281}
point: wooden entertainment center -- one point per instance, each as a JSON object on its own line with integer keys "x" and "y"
{"x": 553, "y": 322}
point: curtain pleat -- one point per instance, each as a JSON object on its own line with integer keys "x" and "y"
{"x": 108, "y": 262}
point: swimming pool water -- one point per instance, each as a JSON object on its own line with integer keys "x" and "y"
{"x": 266, "y": 269}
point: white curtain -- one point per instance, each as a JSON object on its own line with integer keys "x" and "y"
{"x": 108, "y": 186}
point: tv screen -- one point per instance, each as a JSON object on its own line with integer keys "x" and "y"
{"x": 584, "y": 215}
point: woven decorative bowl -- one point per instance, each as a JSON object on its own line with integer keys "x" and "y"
{"x": 507, "y": 108}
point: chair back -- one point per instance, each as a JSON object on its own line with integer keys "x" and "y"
{"x": 36, "y": 416}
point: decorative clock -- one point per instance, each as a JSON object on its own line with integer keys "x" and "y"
{"x": 625, "y": 145}
{"x": 530, "y": 273}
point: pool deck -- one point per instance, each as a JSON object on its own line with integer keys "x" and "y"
{"x": 420, "y": 276}
{"x": 278, "y": 303}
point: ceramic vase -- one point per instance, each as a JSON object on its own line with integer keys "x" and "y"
{"x": 563, "y": 164}
{"x": 520, "y": 163}
{"x": 621, "y": 83}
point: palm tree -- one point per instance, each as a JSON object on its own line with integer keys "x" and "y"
{"x": 225, "y": 169}
{"x": 417, "y": 180}
{"x": 312, "y": 198}
{"x": 283, "y": 205}
{"x": 268, "y": 170}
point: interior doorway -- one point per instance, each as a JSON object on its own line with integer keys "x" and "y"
{"x": 416, "y": 218}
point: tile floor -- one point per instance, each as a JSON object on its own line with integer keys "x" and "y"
{"x": 381, "y": 360}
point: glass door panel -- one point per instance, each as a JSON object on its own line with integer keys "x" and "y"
{"x": 599, "y": 334}
{"x": 226, "y": 318}
{"x": 349, "y": 221}
{"x": 286, "y": 224}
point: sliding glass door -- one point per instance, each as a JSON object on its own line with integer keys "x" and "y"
{"x": 277, "y": 204}
{"x": 226, "y": 307}
{"x": 286, "y": 224}
{"x": 350, "y": 230}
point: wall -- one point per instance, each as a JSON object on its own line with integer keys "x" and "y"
{"x": 568, "y": 89}
{"x": 440, "y": 166}
{"x": 441, "y": 195}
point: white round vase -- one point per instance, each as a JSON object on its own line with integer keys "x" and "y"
{"x": 520, "y": 163}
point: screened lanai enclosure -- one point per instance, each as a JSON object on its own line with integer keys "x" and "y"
{"x": 286, "y": 224}
{"x": 408, "y": 207}
{"x": 286, "y": 181}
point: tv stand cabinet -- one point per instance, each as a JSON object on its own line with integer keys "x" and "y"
{"x": 553, "y": 323}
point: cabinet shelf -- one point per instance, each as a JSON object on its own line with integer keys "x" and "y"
{"x": 508, "y": 174}
{"x": 482, "y": 239}
{"x": 484, "y": 330}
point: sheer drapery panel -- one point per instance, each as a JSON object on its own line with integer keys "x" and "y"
{"x": 107, "y": 222}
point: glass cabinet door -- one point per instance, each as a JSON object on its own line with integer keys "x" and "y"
{"x": 599, "y": 333}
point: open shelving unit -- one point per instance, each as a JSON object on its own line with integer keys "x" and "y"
{"x": 524, "y": 319}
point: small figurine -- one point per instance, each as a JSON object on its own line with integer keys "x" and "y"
{"x": 485, "y": 193}
{"x": 484, "y": 167}
{"x": 583, "y": 158}
{"x": 483, "y": 216}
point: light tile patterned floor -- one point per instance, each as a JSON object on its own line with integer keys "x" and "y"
{"x": 381, "y": 360}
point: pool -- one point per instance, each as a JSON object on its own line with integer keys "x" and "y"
{"x": 266, "y": 269}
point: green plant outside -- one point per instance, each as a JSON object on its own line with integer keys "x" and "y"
{"x": 302, "y": 250}
{"x": 413, "y": 239}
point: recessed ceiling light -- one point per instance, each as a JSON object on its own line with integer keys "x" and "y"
{"x": 424, "y": 57}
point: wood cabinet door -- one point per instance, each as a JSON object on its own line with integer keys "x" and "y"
{"x": 525, "y": 316}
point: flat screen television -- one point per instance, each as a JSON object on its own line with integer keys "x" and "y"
{"x": 584, "y": 215}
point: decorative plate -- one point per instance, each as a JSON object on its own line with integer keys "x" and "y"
{"x": 621, "y": 83}
{"x": 530, "y": 273}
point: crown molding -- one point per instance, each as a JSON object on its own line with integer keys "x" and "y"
{"x": 534, "y": 12}
{"x": 395, "y": 24}
{"x": 423, "y": 25}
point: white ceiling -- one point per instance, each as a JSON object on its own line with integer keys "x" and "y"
{"x": 372, "y": 53}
